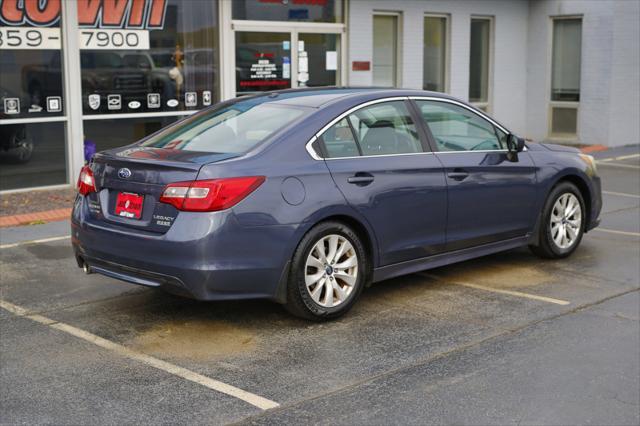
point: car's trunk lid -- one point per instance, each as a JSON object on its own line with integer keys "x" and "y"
{"x": 144, "y": 172}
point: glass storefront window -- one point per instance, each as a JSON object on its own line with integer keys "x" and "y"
{"x": 31, "y": 62}
{"x": 164, "y": 60}
{"x": 319, "y": 65}
{"x": 263, "y": 61}
{"x": 291, "y": 10}
{"x": 32, "y": 153}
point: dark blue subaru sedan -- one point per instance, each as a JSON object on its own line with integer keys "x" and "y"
{"x": 305, "y": 197}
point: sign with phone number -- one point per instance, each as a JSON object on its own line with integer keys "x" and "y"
{"x": 49, "y": 38}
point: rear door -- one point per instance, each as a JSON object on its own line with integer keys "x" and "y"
{"x": 489, "y": 198}
{"x": 383, "y": 167}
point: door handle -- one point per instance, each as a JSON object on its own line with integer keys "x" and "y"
{"x": 361, "y": 179}
{"x": 458, "y": 174}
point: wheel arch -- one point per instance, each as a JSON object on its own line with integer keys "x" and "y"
{"x": 358, "y": 225}
{"x": 580, "y": 183}
{"x": 584, "y": 189}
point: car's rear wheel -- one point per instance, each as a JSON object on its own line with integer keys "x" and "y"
{"x": 327, "y": 272}
{"x": 562, "y": 222}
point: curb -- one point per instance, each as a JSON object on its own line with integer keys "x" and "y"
{"x": 593, "y": 148}
{"x": 27, "y": 218}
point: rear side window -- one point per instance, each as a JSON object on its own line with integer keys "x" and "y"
{"x": 385, "y": 128}
{"x": 458, "y": 129}
{"x": 339, "y": 141}
{"x": 232, "y": 129}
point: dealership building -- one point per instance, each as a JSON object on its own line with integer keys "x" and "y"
{"x": 78, "y": 76}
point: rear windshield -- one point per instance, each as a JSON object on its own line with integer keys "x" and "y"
{"x": 231, "y": 129}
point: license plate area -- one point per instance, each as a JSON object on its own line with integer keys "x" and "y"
{"x": 129, "y": 205}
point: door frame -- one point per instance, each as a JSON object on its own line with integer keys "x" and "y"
{"x": 228, "y": 40}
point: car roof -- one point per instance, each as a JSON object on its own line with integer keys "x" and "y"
{"x": 324, "y": 96}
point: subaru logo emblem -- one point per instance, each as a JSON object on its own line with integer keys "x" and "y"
{"x": 124, "y": 173}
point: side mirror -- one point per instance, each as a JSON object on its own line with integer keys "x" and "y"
{"x": 515, "y": 145}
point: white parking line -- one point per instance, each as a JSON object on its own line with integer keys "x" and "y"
{"x": 42, "y": 240}
{"x": 622, "y": 157}
{"x": 621, "y": 194}
{"x": 614, "y": 231}
{"x": 500, "y": 291}
{"x": 621, "y": 165}
{"x": 205, "y": 381}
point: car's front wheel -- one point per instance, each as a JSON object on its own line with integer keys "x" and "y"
{"x": 327, "y": 273}
{"x": 562, "y": 226}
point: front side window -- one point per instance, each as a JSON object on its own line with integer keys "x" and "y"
{"x": 230, "y": 129}
{"x": 455, "y": 128}
{"x": 385, "y": 128}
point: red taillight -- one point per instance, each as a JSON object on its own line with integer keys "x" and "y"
{"x": 86, "y": 182}
{"x": 209, "y": 195}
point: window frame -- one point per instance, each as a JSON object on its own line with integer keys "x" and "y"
{"x": 315, "y": 146}
{"x": 478, "y": 112}
{"x": 447, "y": 47}
{"x": 570, "y": 137}
{"x": 484, "y": 106}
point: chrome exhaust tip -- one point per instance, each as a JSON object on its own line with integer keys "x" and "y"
{"x": 86, "y": 268}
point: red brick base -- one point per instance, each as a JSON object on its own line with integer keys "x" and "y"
{"x": 27, "y": 218}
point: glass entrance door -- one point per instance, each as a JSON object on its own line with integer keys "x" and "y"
{"x": 263, "y": 61}
{"x": 318, "y": 59}
{"x": 285, "y": 58}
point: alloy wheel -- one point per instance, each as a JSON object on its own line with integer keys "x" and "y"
{"x": 331, "y": 270}
{"x": 566, "y": 220}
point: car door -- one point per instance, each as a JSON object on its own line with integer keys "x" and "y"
{"x": 382, "y": 167}
{"x": 489, "y": 197}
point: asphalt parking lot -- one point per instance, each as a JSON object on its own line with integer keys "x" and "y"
{"x": 501, "y": 340}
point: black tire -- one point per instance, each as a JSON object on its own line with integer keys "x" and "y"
{"x": 299, "y": 300}
{"x": 547, "y": 247}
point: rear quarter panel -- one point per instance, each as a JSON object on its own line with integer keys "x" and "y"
{"x": 298, "y": 193}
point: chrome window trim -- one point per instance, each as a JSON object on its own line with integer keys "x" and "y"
{"x": 317, "y": 157}
{"x": 377, "y": 156}
{"x": 451, "y": 101}
{"x": 479, "y": 151}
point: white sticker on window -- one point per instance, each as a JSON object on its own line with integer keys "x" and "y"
{"x": 303, "y": 64}
{"x": 29, "y": 38}
{"x": 113, "y": 39}
{"x": 331, "y": 63}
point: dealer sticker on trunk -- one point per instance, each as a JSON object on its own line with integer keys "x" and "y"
{"x": 129, "y": 205}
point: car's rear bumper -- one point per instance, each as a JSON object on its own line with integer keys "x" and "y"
{"x": 206, "y": 256}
